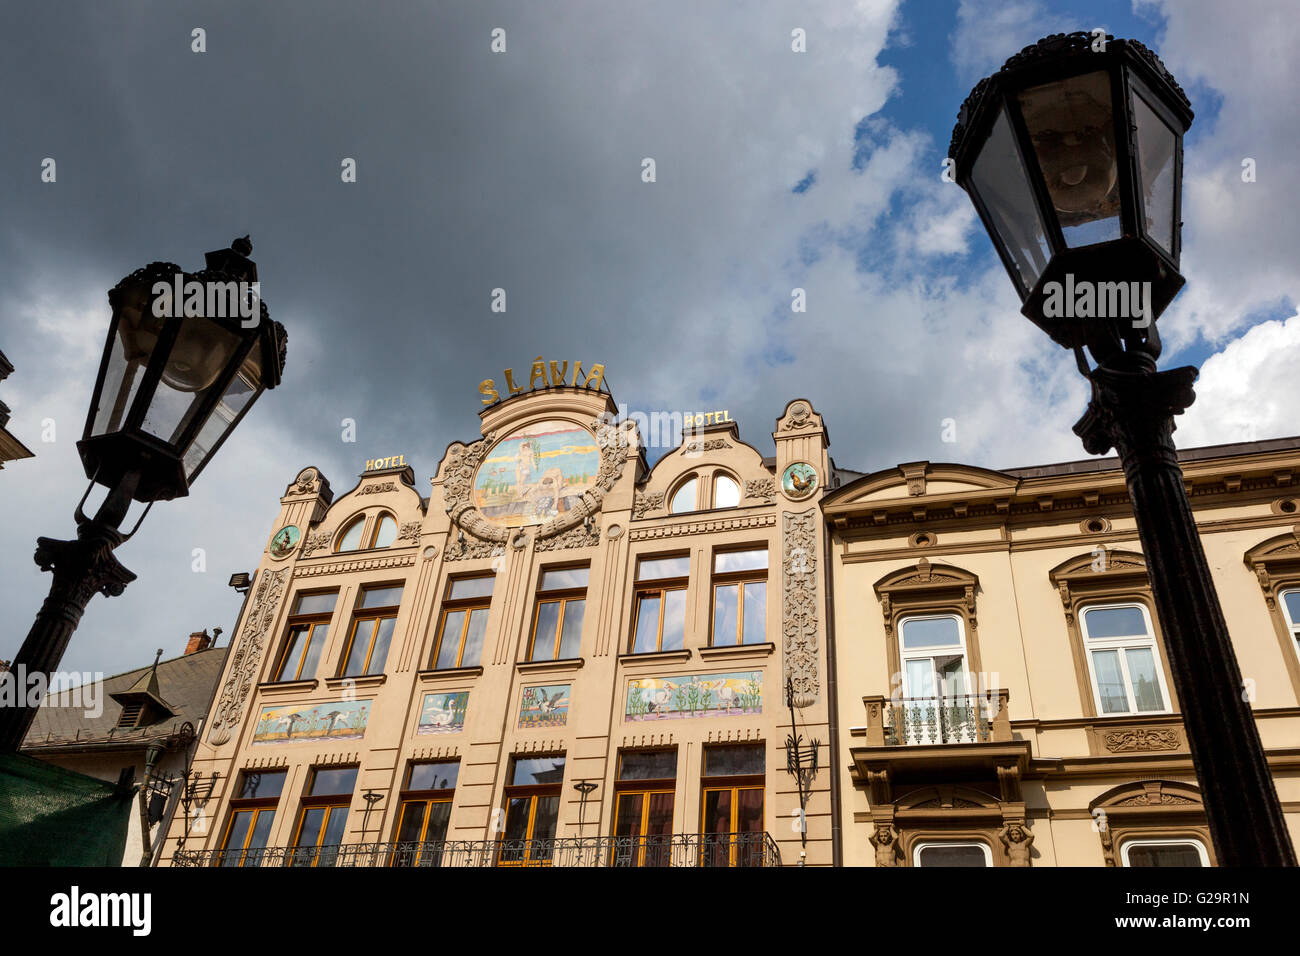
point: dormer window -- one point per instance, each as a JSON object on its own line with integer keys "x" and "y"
{"x": 350, "y": 539}
{"x": 684, "y": 497}
{"x": 385, "y": 531}
{"x": 726, "y": 492}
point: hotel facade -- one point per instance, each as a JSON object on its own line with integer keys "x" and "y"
{"x": 560, "y": 655}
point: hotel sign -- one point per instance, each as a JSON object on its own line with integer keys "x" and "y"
{"x": 377, "y": 464}
{"x": 542, "y": 376}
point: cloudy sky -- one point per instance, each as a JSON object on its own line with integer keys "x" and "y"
{"x": 522, "y": 171}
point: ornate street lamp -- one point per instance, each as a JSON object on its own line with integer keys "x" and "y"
{"x": 1072, "y": 155}
{"x": 187, "y": 355}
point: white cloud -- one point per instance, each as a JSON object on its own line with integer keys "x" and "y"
{"x": 1247, "y": 391}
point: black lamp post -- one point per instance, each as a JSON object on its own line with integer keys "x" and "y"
{"x": 1072, "y": 155}
{"x": 186, "y": 356}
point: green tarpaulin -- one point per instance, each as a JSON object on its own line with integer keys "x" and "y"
{"x": 50, "y": 816}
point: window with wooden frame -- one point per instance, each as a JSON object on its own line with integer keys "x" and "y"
{"x": 373, "y": 622}
{"x": 685, "y": 497}
{"x": 659, "y": 604}
{"x": 1123, "y": 661}
{"x": 532, "y": 811}
{"x": 252, "y": 812}
{"x": 739, "y": 597}
{"x": 425, "y": 813}
{"x": 305, "y": 636}
{"x": 324, "y": 816}
{"x": 643, "y": 808}
{"x": 726, "y": 491}
{"x": 557, "y": 619}
{"x": 350, "y": 538}
{"x": 731, "y": 828}
{"x": 385, "y": 532}
{"x": 462, "y": 623}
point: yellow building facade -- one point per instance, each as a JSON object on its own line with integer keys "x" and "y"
{"x": 557, "y": 656}
{"x": 560, "y": 655}
{"x": 1004, "y": 687}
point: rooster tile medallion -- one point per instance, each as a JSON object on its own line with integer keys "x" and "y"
{"x": 799, "y": 480}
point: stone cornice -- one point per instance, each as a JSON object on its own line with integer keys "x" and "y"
{"x": 703, "y": 527}
{"x": 310, "y": 568}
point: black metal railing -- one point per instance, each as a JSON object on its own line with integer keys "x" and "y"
{"x": 961, "y": 719}
{"x": 676, "y": 849}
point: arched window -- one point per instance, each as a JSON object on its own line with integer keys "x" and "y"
{"x": 684, "y": 498}
{"x": 726, "y": 493}
{"x": 385, "y": 531}
{"x": 350, "y": 539}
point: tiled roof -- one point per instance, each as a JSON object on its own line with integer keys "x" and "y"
{"x": 185, "y": 683}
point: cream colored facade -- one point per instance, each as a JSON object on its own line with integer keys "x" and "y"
{"x": 1012, "y": 561}
{"x": 623, "y": 517}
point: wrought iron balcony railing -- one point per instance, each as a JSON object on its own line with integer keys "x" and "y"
{"x": 920, "y": 721}
{"x": 676, "y": 849}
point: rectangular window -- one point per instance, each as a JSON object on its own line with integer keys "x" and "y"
{"x": 252, "y": 811}
{"x": 732, "y": 826}
{"x": 373, "y": 622}
{"x": 557, "y": 624}
{"x": 739, "y": 597}
{"x": 1185, "y": 852}
{"x": 307, "y": 631}
{"x": 952, "y": 853}
{"x": 1291, "y": 606}
{"x": 425, "y": 813}
{"x": 532, "y": 811}
{"x": 1125, "y": 668}
{"x": 936, "y": 708}
{"x": 659, "y": 604}
{"x": 463, "y": 622}
{"x": 324, "y": 816}
{"x": 643, "y": 814}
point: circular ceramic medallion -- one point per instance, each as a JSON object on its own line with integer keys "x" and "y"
{"x": 799, "y": 480}
{"x": 285, "y": 540}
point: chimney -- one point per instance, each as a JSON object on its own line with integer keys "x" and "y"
{"x": 199, "y": 641}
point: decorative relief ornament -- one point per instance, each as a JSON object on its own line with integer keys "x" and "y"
{"x": 1140, "y": 738}
{"x": 247, "y": 656}
{"x": 761, "y": 488}
{"x": 645, "y": 503}
{"x": 800, "y": 417}
{"x": 709, "y": 444}
{"x": 799, "y": 480}
{"x": 285, "y": 540}
{"x": 799, "y": 604}
{"x": 316, "y": 541}
{"x": 410, "y": 531}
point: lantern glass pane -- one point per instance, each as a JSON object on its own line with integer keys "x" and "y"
{"x": 201, "y": 352}
{"x": 1071, "y": 125}
{"x": 999, "y": 180}
{"x": 121, "y": 381}
{"x": 238, "y": 394}
{"x": 1156, "y": 145}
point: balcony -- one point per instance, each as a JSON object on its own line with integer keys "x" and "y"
{"x": 911, "y": 735}
{"x": 926, "y": 721}
{"x": 677, "y": 849}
